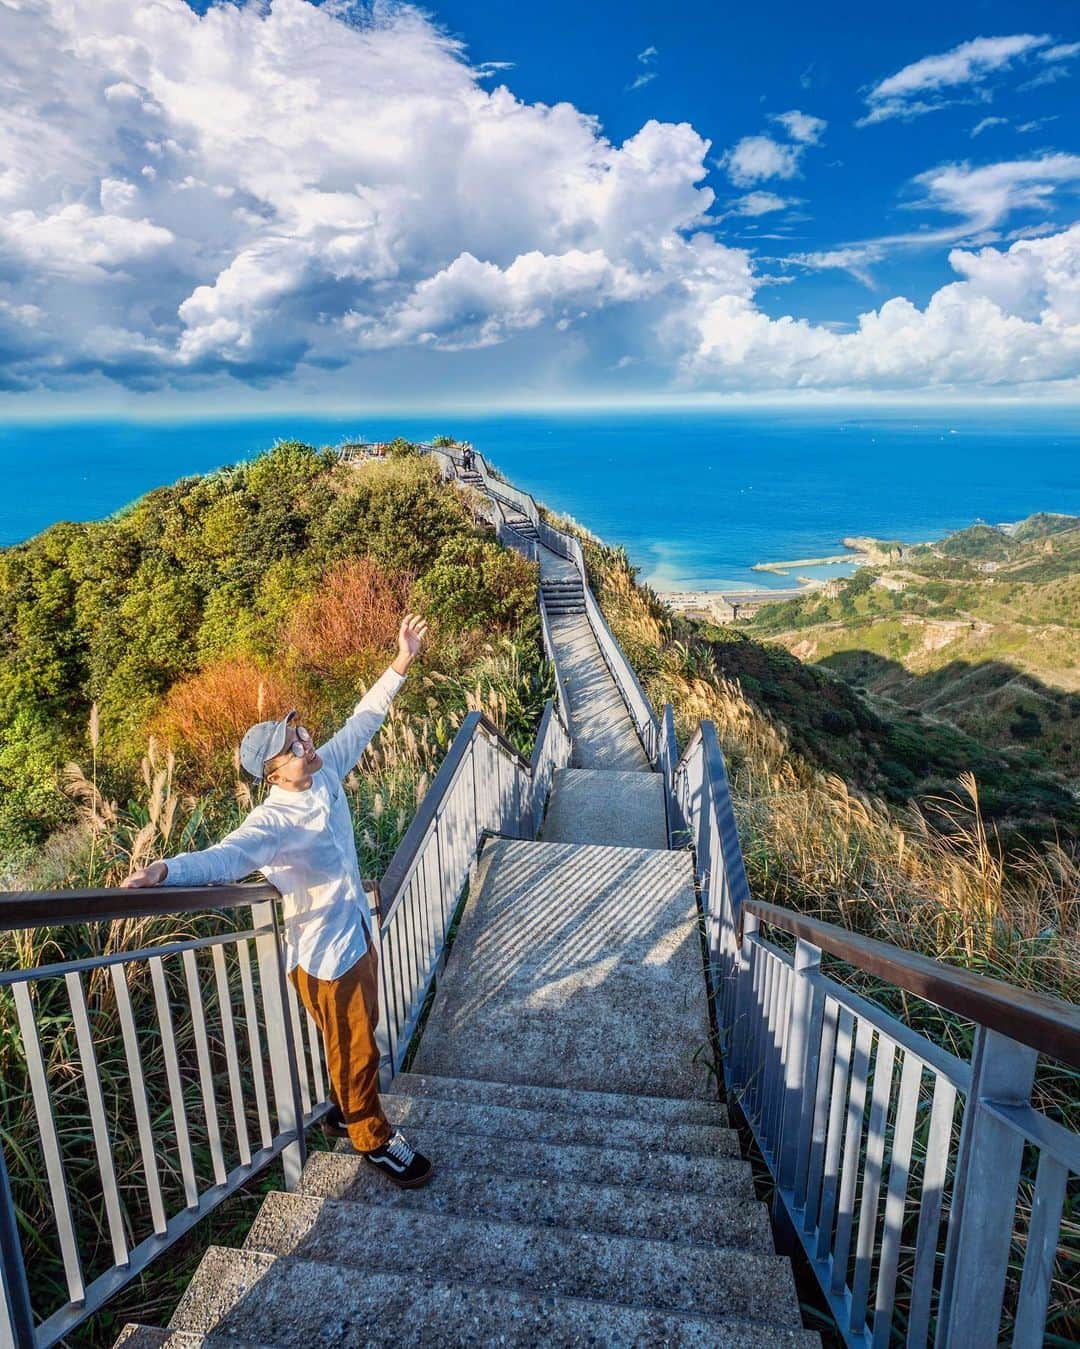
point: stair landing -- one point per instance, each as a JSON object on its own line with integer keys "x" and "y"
{"x": 619, "y": 809}
{"x": 576, "y": 966}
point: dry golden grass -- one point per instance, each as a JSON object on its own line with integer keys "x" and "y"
{"x": 350, "y": 621}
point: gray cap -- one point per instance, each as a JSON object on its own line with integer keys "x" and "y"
{"x": 262, "y": 742}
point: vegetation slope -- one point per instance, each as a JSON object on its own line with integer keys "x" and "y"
{"x": 980, "y": 631}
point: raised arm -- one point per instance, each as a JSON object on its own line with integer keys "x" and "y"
{"x": 342, "y": 751}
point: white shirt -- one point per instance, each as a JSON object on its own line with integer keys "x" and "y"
{"x": 303, "y": 844}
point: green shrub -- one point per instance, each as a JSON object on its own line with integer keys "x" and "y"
{"x": 476, "y": 584}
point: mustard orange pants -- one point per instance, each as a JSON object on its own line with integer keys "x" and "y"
{"x": 346, "y": 1011}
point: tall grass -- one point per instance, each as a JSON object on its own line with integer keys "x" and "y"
{"x": 814, "y": 842}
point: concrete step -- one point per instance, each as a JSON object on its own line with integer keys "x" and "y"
{"x": 252, "y": 1298}
{"x": 632, "y": 1271}
{"x": 618, "y": 809}
{"x": 576, "y": 965}
{"x": 555, "y": 1126}
{"x": 735, "y": 1221}
{"x": 650, "y": 1169}
{"x": 659, "y": 1110}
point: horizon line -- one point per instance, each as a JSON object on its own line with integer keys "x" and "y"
{"x": 487, "y": 408}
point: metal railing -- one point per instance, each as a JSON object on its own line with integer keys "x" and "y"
{"x": 889, "y": 1153}
{"x": 219, "y": 1021}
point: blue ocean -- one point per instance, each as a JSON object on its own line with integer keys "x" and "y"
{"x": 696, "y": 498}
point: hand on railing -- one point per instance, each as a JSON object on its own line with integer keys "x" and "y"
{"x": 154, "y": 874}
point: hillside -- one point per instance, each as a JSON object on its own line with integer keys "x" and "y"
{"x": 135, "y": 651}
{"x": 979, "y": 632}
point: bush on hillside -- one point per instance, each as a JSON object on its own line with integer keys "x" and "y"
{"x": 400, "y": 448}
{"x": 203, "y": 718}
{"x": 349, "y": 623}
{"x": 477, "y": 584}
{"x": 399, "y": 513}
{"x": 199, "y": 573}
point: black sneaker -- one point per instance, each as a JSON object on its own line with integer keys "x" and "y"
{"x": 401, "y": 1163}
{"x": 333, "y": 1123}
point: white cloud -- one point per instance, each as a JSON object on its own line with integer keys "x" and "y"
{"x": 979, "y": 200}
{"x": 756, "y": 158}
{"x": 760, "y": 203}
{"x": 79, "y": 243}
{"x": 646, "y": 58}
{"x": 986, "y": 123}
{"x": 915, "y": 89}
{"x": 280, "y": 191}
{"x": 477, "y": 304}
{"x": 270, "y": 186}
{"x": 982, "y": 197}
{"x": 801, "y": 126}
{"x": 1061, "y": 52}
{"x": 1014, "y": 320}
{"x": 1036, "y": 124}
{"x": 855, "y": 258}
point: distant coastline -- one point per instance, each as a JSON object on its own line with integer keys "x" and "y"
{"x": 723, "y": 603}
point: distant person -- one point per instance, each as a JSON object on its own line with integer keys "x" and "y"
{"x": 467, "y": 459}
{"x": 301, "y": 839}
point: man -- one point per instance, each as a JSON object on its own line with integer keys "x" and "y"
{"x": 301, "y": 839}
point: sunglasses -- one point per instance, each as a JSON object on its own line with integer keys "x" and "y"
{"x": 302, "y": 743}
{"x": 299, "y": 746}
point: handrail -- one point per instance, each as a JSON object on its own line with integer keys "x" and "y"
{"x": 56, "y": 908}
{"x": 1048, "y": 1024}
{"x": 407, "y": 849}
{"x": 483, "y": 786}
{"x": 622, "y": 672}
{"x": 812, "y": 1067}
{"x": 549, "y": 647}
{"x": 254, "y": 1114}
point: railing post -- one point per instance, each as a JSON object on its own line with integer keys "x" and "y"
{"x": 284, "y": 1073}
{"x": 800, "y": 1051}
{"x": 741, "y": 1030}
{"x": 382, "y": 1030}
{"x": 984, "y": 1195}
{"x": 16, "y": 1312}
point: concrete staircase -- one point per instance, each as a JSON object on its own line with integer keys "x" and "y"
{"x": 647, "y": 1233}
{"x": 588, "y": 1190}
{"x": 521, "y": 524}
{"x": 563, "y": 595}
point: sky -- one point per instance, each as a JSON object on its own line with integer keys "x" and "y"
{"x": 223, "y": 207}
